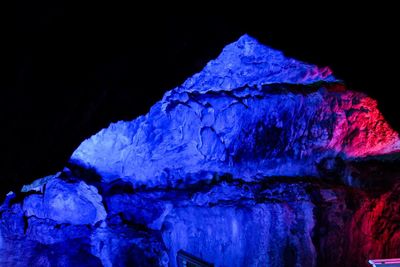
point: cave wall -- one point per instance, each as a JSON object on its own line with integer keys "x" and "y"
{"x": 257, "y": 160}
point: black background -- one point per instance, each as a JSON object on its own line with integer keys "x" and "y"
{"x": 68, "y": 71}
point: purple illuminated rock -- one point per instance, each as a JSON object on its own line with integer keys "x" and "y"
{"x": 247, "y": 163}
{"x": 252, "y": 113}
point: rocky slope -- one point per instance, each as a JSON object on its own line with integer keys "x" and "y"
{"x": 251, "y": 113}
{"x": 257, "y": 160}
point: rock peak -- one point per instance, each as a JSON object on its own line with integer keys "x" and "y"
{"x": 246, "y": 38}
{"x": 224, "y": 120}
{"x": 246, "y": 62}
{"x": 245, "y": 44}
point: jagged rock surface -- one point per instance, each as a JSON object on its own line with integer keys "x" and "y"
{"x": 274, "y": 116}
{"x": 72, "y": 203}
{"x": 258, "y": 160}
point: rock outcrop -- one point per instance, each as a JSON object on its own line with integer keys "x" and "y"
{"x": 258, "y": 160}
{"x": 251, "y": 113}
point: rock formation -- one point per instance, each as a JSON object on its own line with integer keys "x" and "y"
{"x": 258, "y": 160}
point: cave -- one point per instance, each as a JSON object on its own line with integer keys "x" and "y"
{"x": 259, "y": 159}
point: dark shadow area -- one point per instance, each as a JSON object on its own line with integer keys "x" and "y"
{"x": 76, "y": 171}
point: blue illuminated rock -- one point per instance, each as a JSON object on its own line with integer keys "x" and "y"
{"x": 63, "y": 202}
{"x": 251, "y": 113}
{"x": 247, "y": 163}
{"x": 246, "y": 62}
{"x": 234, "y": 230}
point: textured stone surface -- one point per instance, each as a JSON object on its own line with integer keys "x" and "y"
{"x": 249, "y": 63}
{"x": 63, "y": 202}
{"x": 258, "y": 160}
{"x": 375, "y": 228}
{"x": 258, "y": 124}
{"x": 124, "y": 246}
{"x": 244, "y": 232}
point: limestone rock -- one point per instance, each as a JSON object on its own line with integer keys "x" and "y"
{"x": 63, "y": 202}
{"x": 258, "y": 160}
{"x": 251, "y": 112}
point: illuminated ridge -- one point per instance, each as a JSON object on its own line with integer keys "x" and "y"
{"x": 246, "y": 62}
{"x": 226, "y": 119}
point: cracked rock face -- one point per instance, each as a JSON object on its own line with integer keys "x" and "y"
{"x": 71, "y": 203}
{"x": 251, "y": 113}
{"x": 258, "y": 160}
